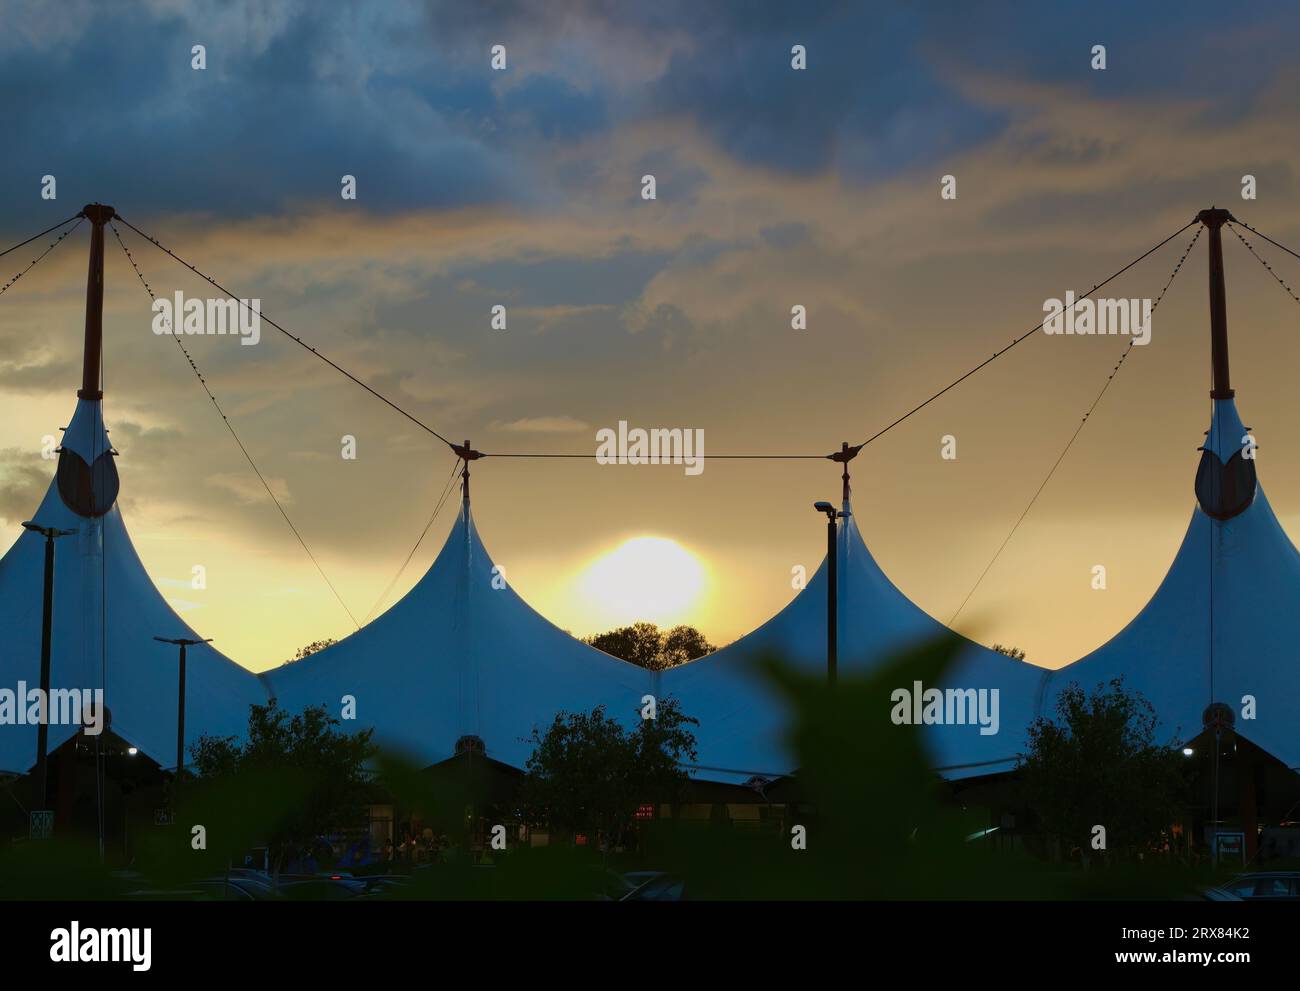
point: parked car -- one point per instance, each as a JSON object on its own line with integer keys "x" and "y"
{"x": 608, "y": 885}
{"x": 242, "y": 887}
{"x": 1266, "y": 886}
{"x": 332, "y": 887}
{"x": 219, "y": 890}
{"x": 660, "y": 888}
{"x": 235, "y": 888}
{"x": 381, "y": 884}
{"x": 1215, "y": 895}
{"x": 635, "y": 879}
{"x": 187, "y": 894}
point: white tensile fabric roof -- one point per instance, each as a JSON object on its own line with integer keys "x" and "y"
{"x": 1224, "y": 624}
{"x": 458, "y": 657}
{"x": 461, "y": 655}
{"x": 106, "y": 614}
{"x": 742, "y": 721}
{"x": 455, "y": 657}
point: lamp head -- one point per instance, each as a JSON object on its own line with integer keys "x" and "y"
{"x": 47, "y": 531}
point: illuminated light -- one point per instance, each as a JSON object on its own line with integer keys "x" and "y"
{"x": 1188, "y": 751}
{"x": 132, "y": 751}
{"x": 645, "y": 578}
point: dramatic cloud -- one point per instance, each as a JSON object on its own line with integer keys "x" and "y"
{"x": 23, "y": 481}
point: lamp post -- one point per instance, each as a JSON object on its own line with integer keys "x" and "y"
{"x": 1218, "y": 717}
{"x": 843, "y": 456}
{"x": 181, "y": 642}
{"x": 47, "y": 624}
{"x": 832, "y": 593}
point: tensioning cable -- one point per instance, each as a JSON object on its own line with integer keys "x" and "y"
{"x": 229, "y": 426}
{"x": 1259, "y": 258}
{"x": 293, "y": 337}
{"x": 37, "y": 237}
{"x": 48, "y": 248}
{"x": 446, "y": 490}
{"x": 1075, "y": 435}
{"x": 1025, "y": 336}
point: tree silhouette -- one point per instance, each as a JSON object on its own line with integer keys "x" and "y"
{"x": 311, "y": 648}
{"x": 588, "y": 774}
{"x": 644, "y": 644}
{"x": 1098, "y": 765}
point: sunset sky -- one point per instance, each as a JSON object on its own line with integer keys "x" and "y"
{"x": 775, "y": 187}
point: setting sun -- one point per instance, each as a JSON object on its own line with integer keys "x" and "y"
{"x": 645, "y": 578}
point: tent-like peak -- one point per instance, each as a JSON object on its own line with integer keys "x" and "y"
{"x": 461, "y": 655}
{"x": 85, "y": 435}
{"x": 742, "y": 722}
{"x": 1225, "y": 479}
{"x": 106, "y": 613}
{"x": 86, "y": 477}
{"x": 1227, "y": 435}
{"x": 1223, "y": 624}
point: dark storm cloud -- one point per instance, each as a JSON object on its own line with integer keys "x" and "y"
{"x": 1150, "y": 48}
{"x": 782, "y": 236}
{"x": 554, "y": 108}
{"x": 729, "y": 68}
{"x": 401, "y": 96}
{"x": 878, "y": 95}
{"x": 551, "y": 281}
{"x": 409, "y": 106}
{"x": 118, "y": 113}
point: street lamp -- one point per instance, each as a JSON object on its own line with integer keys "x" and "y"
{"x": 832, "y": 593}
{"x": 47, "y": 624}
{"x": 181, "y": 642}
{"x": 1218, "y": 716}
{"x": 843, "y": 456}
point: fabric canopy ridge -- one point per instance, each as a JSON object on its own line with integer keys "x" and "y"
{"x": 106, "y": 613}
